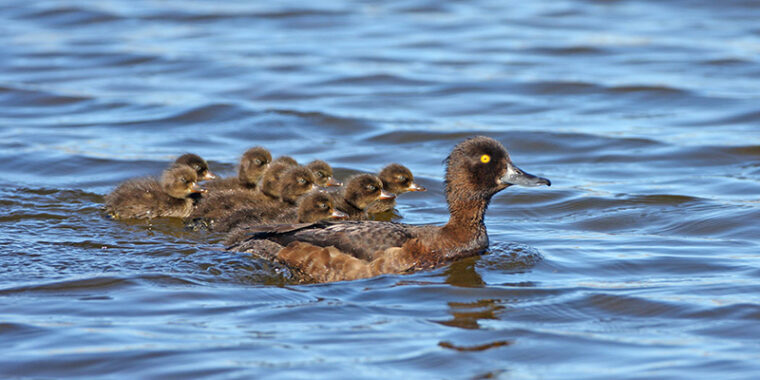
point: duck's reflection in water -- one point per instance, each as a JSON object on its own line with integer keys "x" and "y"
{"x": 467, "y": 315}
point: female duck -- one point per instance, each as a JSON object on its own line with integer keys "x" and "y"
{"x": 476, "y": 169}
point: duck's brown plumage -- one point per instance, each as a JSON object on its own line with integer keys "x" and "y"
{"x": 253, "y": 164}
{"x": 146, "y": 198}
{"x": 196, "y": 163}
{"x": 476, "y": 169}
{"x": 397, "y": 179}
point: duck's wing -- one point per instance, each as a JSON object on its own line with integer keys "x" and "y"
{"x": 361, "y": 239}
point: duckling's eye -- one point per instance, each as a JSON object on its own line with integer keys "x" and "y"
{"x": 184, "y": 180}
{"x": 402, "y": 178}
{"x": 485, "y": 158}
{"x": 197, "y": 168}
{"x": 371, "y": 187}
{"x": 301, "y": 181}
{"x": 257, "y": 162}
{"x": 320, "y": 174}
{"x": 322, "y": 205}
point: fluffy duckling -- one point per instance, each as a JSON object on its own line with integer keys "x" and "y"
{"x": 287, "y": 160}
{"x": 270, "y": 183}
{"x": 253, "y": 163}
{"x": 291, "y": 184}
{"x": 313, "y": 207}
{"x": 476, "y": 170}
{"x": 323, "y": 173}
{"x": 196, "y": 163}
{"x": 360, "y": 192}
{"x": 146, "y": 198}
{"x": 397, "y": 179}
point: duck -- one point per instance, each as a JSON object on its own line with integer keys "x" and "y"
{"x": 236, "y": 205}
{"x": 287, "y": 160}
{"x": 196, "y": 163}
{"x": 397, "y": 179}
{"x": 314, "y": 206}
{"x": 361, "y": 191}
{"x": 476, "y": 170}
{"x": 253, "y": 164}
{"x": 147, "y": 198}
{"x": 269, "y": 189}
{"x": 323, "y": 173}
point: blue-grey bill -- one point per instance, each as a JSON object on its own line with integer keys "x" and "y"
{"x": 515, "y": 176}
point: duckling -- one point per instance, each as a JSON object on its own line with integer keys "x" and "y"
{"x": 270, "y": 183}
{"x": 360, "y": 192}
{"x": 196, "y": 163}
{"x": 287, "y": 160}
{"x": 397, "y": 179}
{"x": 313, "y": 207}
{"x": 476, "y": 170}
{"x": 146, "y": 198}
{"x": 230, "y": 204}
{"x": 253, "y": 163}
{"x": 323, "y": 173}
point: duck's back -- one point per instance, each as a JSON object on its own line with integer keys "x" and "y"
{"x": 361, "y": 239}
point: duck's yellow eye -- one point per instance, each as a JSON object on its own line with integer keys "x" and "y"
{"x": 485, "y": 158}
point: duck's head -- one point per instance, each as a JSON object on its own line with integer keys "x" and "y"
{"x": 480, "y": 167}
{"x": 296, "y": 182}
{"x": 270, "y": 182}
{"x": 363, "y": 189}
{"x": 323, "y": 173}
{"x": 180, "y": 181}
{"x": 316, "y": 206}
{"x": 398, "y": 179}
{"x": 196, "y": 163}
{"x": 287, "y": 160}
{"x": 253, "y": 163}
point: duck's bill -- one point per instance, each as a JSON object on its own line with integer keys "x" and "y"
{"x": 208, "y": 176}
{"x": 332, "y": 182}
{"x": 515, "y": 176}
{"x": 197, "y": 189}
{"x": 386, "y": 195}
{"x": 415, "y": 187}
{"x": 337, "y": 214}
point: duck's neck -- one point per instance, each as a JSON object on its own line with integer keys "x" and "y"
{"x": 467, "y": 215}
{"x": 465, "y": 231}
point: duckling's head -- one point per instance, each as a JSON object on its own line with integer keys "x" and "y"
{"x": 296, "y": 181}
{"x": 270, "y": 183}
{"x": 253, "y": 163}
{"x": 323, "y": 173}
{"x": 287, "y": 160}
{"x": 398, "y": 179}
{"x": 363, "y": 189}
{"x": 480, "y": 167}
{"x": 196, "y": 163}
{"x": 316, "y": 206}
{"x": 180, "y": 181}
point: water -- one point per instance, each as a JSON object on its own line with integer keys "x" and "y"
{"x": 641, "y": 261}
